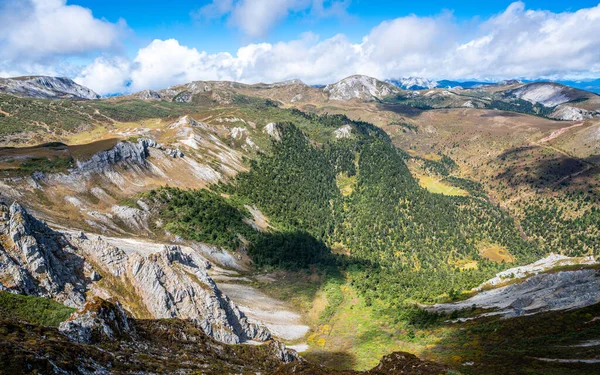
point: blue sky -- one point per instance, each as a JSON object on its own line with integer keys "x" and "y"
{"x": 153, "y": 19}
{"x": 128, "y": 45}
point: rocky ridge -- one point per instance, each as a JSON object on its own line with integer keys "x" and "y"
{"x": 164, "y": 282}
{"x": 36, "y": 260}
{"x": 101, "y": 339}
{"x": 46, "y": 88}
{"x": 170, "y": 283}
{"x": 539, "y": 291}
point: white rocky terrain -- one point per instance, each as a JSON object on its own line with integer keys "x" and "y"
{"x": 360, "y": 87}
{"x": 46, "y": 87}
{"x": 569, "y": 113}
{"x": 546, "y": 93}
{"x": 151, "y": 280}
{"x": 538, "y": 292}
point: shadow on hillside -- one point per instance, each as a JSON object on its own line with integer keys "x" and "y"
{"x": 401, "y": 109}
{"x": 538, "y": 168}
{"x": 511, "y": 346}
{"x": 289, "y": 250}
{"x": 335, "y": 360}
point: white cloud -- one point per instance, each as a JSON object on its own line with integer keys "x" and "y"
{"x": 256, "y": 17}
{"x": 516, "y": 43}
{"x": 106, "y": 75}
{"x": 35, "y": 29}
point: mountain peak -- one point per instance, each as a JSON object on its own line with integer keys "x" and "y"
{"x": 46, "y": 88}
{"x": 359, "y": 87}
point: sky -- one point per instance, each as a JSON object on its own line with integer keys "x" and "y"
{"x": 128, "y": 45}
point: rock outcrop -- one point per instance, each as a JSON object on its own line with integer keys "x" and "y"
{"x": 343, "y": 132}
{"x": 569, "y": 113}
{"x": 36, "y": 260}
{"x": 132, "y": 154}
{"x": 172, "y": 283}
{"x": 148, "y": 95}
{"x": 539, "y": 293}
{"x": 97, "y": 321}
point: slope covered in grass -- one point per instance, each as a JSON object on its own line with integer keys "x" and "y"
{"x": 34, "y": 310}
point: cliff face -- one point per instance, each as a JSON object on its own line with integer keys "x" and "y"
{"x": 37, "y": 260}
{"x": 170, "y": 283}
{"x": 100, "y": 338}
{"x": 158, "y": 281}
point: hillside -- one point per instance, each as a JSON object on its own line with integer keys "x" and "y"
{"x": 347, "y": 215}
{"x": 46, "y": 87}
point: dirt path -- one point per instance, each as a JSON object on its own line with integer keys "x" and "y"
{"x": 559, "y": 132}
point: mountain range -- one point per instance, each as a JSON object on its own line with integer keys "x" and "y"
{"x": 399, "y": 227}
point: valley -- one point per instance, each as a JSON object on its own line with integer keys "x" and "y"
{"x": 347, "y": 222}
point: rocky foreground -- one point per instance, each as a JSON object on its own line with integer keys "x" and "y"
{"x": 101, "y": 338}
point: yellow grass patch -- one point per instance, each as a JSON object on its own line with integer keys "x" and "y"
{"x": 432, "y": 156}
{"x": 87, "y": 136}
{"x": 345, "y": 184}
{"x": 495, "y": 253}
{"x": 436, "y": 186}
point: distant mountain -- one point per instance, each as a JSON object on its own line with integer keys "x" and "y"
{"x": 549, "y": 94}
{"x": 359, "y": 87}
{"x": 46, "y": 87}
{"x": 419, "y": 83}
{"x": 413, "y": 83}
{"x": 591, "y": 85}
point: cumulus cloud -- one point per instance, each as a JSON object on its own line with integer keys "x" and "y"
{"x": 106, "y": 75}
{"x": 35, "y": 29}
{"x": 516, "y": 43}
{"x": 256, "y": 17}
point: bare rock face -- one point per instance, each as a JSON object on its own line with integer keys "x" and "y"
{"x": 569, "y": 113}
{"x": 134, "y": 154}
{"x": 148, "y": 95}
{"x": 35, "y": 260}
{"x": 539, "y": 293}
{"x": 171, "y": 283}
{"x": 97, "y": 321}
{"x": 343, "y": 132}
